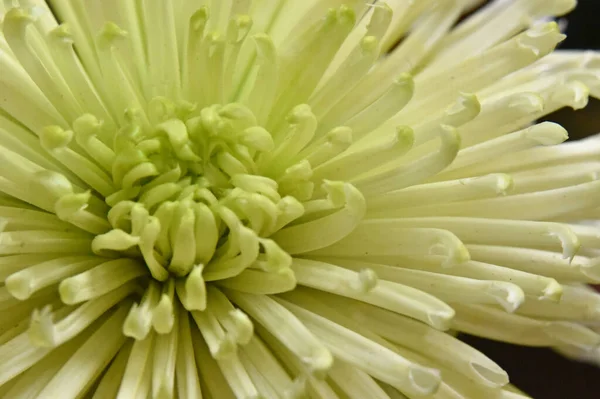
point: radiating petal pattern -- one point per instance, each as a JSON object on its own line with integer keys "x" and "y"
{"x": 290, "y": 199}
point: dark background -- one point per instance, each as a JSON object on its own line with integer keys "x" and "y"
{"x": 583, "y": 32}
{"x": 539, "y": 372}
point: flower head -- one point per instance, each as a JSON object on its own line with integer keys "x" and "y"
{"x": 271, "y": 199}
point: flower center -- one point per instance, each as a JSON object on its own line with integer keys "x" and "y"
{"x": 190, "y": 190}
{"x": 194, "y": 193}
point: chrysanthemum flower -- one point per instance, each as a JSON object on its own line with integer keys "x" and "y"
{"x": 288, "y": 199}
